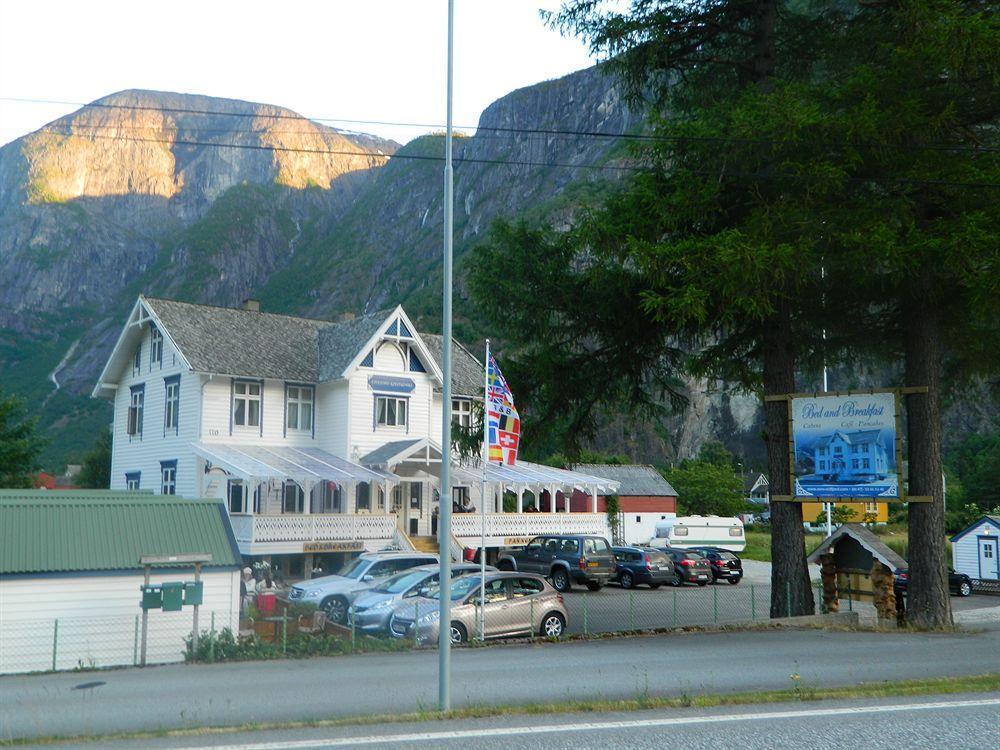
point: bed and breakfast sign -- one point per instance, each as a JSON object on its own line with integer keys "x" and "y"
{"x": 845, "y": 446}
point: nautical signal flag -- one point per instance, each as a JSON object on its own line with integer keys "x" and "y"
{"x": 503, "y": 421}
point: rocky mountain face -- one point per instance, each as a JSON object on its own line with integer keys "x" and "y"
{"x": 215, "y": 200}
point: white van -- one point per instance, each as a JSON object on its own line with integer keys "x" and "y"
{"x": 685, "y": 532}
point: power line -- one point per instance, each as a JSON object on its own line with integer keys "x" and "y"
{"x": 639, "y": 137}
{"x": 523, "y": 163}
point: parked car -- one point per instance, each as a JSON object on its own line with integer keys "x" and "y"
{"x": 959, "y": 583}
{"x": 373, "y": 607}
{"x": 516, "y": 604}
{"x": 636, "y": 565}
{"x": 726, "y": 565}
{"x": 332, "y": 593}
{"x": 564, "y": 559}
{"x": 689, "y": 567}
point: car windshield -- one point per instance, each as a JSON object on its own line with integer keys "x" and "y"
{"x": 354, "y": 569}
{"x": 401, "y": 582}
{"x": 656, "y": 557}
{"x": 726, "y": 555}
{"x": 459, "y": 588}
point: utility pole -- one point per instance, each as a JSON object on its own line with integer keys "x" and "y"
{"x": 444, "y": 532}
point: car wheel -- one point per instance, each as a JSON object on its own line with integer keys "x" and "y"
{"x": 336, "y": 609}
{"x": 733, "y": 581}
{"x": 654, "y": 586}
{"x": 595, "y": 586}
{"x": 964, "y": 588}
{"x": 553, "y": 625}
{"x": 458, "y": 633}
{"x": 560, "y": 580}
{"x": 676, "y": 580}
{"x": 702, "y": 583}
{"x": 626, "y": 580}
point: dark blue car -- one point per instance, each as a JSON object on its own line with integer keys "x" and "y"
{"x": 637, "y": 565}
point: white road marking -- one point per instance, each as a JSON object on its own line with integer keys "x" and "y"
{"x": 459, "y": 734}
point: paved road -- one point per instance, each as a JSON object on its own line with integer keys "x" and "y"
{"x": 693, "y": 663}
{"x": 954, "y": 722}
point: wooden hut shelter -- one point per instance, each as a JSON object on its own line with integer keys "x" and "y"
{"x": 855, "y": 564}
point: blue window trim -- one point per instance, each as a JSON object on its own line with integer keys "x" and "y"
{"x": 398, "y": 396}
{"x": 136, "y": 475}
{"x": 167, "y": 382}
{"x": 153, "y": 329}
{"x": 284, "y": 407}
{"x": 169, "y": 464}
{"x": 996, "y": 552}
{"x": 140, "y": 388}
{"x": 232, "y": 401}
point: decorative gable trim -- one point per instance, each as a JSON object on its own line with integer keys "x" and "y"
{"x": 397, "y": 316}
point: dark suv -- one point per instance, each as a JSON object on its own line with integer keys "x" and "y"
{"x": 642, "y": 565}
{"x": 689, "y": 567}
{"x": 565, "y": 559}
{"x": 726, "y": 565}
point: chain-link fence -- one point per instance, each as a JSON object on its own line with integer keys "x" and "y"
{"x": 517, "y": 611}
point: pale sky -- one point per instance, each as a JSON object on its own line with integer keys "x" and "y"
{"x": 353, "y": 59}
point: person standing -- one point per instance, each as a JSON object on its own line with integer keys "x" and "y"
{"x": 246, "y": 589}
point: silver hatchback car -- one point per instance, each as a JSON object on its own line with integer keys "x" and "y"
{"x": 516, "y": 604}
{"x": 372, "y": 608}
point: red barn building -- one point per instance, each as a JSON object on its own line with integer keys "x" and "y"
{"x": 644, "y": 497}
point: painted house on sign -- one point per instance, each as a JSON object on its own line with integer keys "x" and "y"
{"x": 847, "y": 456}
{"x": 321, "y": 437}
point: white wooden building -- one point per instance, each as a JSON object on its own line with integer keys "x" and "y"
{"x": 70, "y": 576}
{"x": 322, "y": 437}
{"x": 975, "y": 551}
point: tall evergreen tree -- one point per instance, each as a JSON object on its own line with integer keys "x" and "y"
{"x": 19, "y": 444}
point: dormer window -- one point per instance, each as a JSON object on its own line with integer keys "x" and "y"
{"x": 155, "y": 346}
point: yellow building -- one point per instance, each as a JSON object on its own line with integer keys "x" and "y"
{"x": 810, "y": 511}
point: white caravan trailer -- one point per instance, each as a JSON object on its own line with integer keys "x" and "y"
{"x": 685, "y": 532}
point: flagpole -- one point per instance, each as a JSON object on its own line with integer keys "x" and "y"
{"x": 482, "y": 509}
{"x": 444, "y": 532}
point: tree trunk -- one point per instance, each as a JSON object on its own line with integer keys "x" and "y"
{"x": 790, "y": 591}
{"x": 929, "y": 604}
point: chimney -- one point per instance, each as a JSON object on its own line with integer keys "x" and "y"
{"x": 344, "y": 317}
{"x": 252, "y": 305}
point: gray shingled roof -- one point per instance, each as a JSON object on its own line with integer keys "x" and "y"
{"x": 383, "y": 453}
{"x": 634, "y": 480}
{"x": 466, "y": 371}
{"x": 240, "y": 342}
{"x": 339, "y": 343}
{"x": 853, "y": 438}
{"x": 867, "y": 539}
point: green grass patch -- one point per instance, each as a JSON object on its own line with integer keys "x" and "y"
{"x": 759, "y": 545}
{"x": 798, "y": 691}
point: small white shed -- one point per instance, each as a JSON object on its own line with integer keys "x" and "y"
{"x": 70, "y": 576}
{"x": 975, "y": 550}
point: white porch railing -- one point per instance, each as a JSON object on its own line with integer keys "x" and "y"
{"x": 316, "y": 527}
{"x": 469, "y": 526}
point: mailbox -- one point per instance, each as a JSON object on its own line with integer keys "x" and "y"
{"x": 152, "y": 597}
{"x": 173, "y": 596}
{"x": 193, "y": 592}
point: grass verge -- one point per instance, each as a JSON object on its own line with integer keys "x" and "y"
{"x": 643, "y": 701}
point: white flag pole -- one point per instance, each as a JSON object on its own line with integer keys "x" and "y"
{"x": 482, "y": 503}
{"x": 444, "y": 533}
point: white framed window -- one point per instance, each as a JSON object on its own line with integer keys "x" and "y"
{"x": 137, "y": 360}
{"x": 172, "y": 403}
{"x": 132, "y": 480}
{"x": 390, "y": 412}
{"x": 855, "y": 463}
{"x": 168, "y": 477}
{"x": 461, "y": 412}
{"x": 246, "y": 403}
{"x": 867, "y": 464}
{"x": 299, "y": 401}
{"x": 155, "y": 346}
{"x": 135, "y": 410}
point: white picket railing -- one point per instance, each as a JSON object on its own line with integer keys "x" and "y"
{"x": 469, "y": 526}
{"x": 313, "y": 527}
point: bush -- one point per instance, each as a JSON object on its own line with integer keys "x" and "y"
{"x": 225, "y": 646}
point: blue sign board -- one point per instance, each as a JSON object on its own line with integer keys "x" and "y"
{"x": 845, "y": 447}
{"x": 390, "y": 384}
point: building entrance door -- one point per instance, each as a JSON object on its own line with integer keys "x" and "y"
{"x": 988, "y": 558}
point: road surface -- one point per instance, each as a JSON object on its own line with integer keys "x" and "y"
{"x": 954, "y": 722}
{"x": 231, "y": 694}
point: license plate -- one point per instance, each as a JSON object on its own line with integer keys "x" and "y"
{"x": 592, "y": 564}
